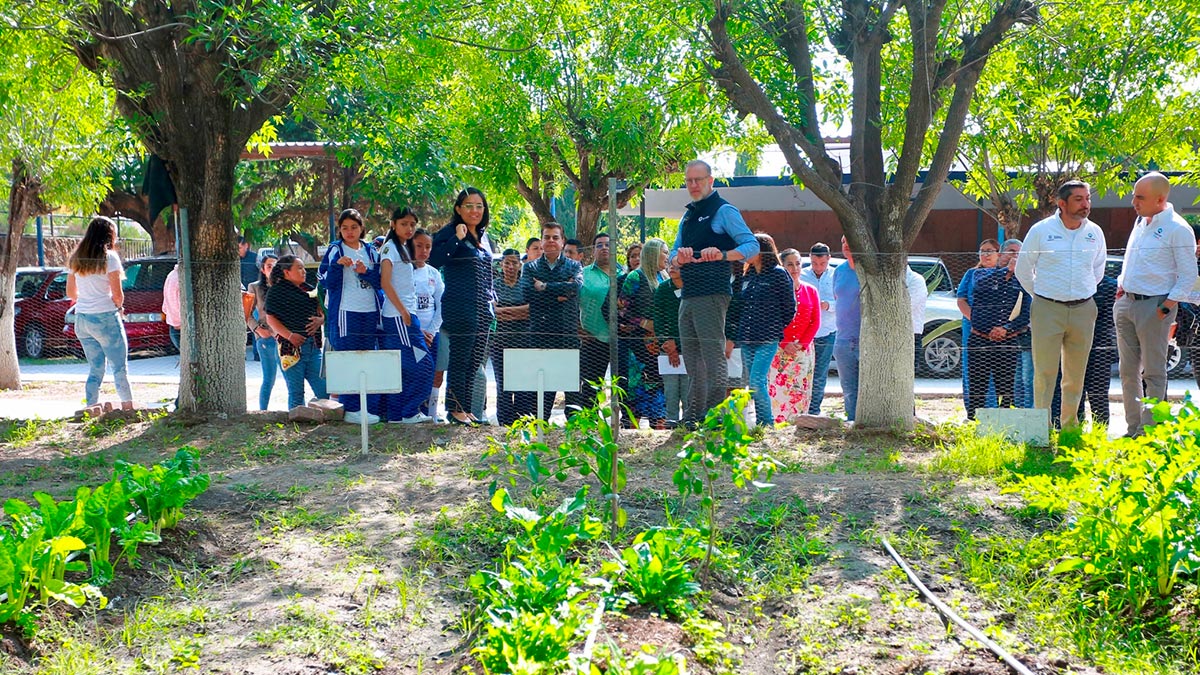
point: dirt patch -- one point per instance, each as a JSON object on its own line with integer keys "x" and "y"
{"x": 306, "y": 557}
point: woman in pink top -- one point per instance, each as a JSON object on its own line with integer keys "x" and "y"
{"x": 789, "y": 382}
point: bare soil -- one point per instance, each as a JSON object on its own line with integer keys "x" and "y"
{"x": 306, "y": 557}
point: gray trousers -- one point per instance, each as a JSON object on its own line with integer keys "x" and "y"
{"x": 1142, "y": 337}
{"x": 675, "y": 390}
{"x": 702, "y": 343}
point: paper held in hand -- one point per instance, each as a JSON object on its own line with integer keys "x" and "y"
{"x": 733, "y": 365}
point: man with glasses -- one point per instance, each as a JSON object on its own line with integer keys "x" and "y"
{"x": 593, "y": 323}
{"x": 818, "y": 275}
{"x": 712, "y": 234}
{"x": 1061, "y": 264}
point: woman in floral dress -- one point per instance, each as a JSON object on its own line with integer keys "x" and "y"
{"x": 790, "y": 378}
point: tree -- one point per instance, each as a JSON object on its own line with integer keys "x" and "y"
{"x": 1084, "y": 96}
{"x": 580, "y": 94}
{"x": 53, "y": 147}
{"x": 196, "y": 80}
{"x": 910, "y": 86}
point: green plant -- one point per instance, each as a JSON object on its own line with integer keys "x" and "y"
{"x": 1133, "y": 525}
{"x": 721, "y": 443}
{"x": 589, "y": 448}
{"x": 19, "y": 434}
{"x": 519, "y": 642}
{"x": 655, "y": 570}
{"x": 162, "y": 490}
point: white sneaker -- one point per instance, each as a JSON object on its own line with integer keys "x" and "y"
{"x": 419, "y": 418}
{"x": 356, "y": 418}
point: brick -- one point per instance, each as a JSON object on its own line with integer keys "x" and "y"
{"x": 302, "y": 413}
{"x": 331, "y": 411}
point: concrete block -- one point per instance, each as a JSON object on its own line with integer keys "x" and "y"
{"x": 1019, "y": 425}
{"x": 816, "y": 422}
{"x": 331, "y": 411}
{"x": 303, "y": 413}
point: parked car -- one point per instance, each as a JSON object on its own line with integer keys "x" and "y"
{"x": 941, "y": 355}
{"x": 41, "y": 304}
{"x": 145, "y": 324}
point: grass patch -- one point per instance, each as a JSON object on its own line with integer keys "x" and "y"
{"x": 966, "y": 454}
{"x": 20, "y": 433}
{"x": 309, "y": 631}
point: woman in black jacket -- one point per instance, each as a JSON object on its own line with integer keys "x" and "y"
{"x": 768, "y": 306}
{"x": 460, "y": 252}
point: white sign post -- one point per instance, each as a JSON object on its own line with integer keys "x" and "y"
{"x": 552, "y": 369}
{"x": 363, "y": 372}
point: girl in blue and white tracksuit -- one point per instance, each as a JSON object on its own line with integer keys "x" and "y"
{"x": 349, "y": 272}
{"x": 401, "y": 324}
{"x": 430, "y": 287}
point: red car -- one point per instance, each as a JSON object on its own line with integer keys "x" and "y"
{"x": 41, "y": 303}
{"x": 145, "y": 325}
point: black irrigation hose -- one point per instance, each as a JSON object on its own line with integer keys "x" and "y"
{"x": 948, "y": 613}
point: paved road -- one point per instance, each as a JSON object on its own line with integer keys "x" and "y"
{"x": 165, "y": 369}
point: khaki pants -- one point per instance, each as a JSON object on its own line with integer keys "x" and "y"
{"x": 1142, "y": 337}
{"x": 1062, "y": 336}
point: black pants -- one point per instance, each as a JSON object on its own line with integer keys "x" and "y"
{"x": 510, "y": 405}
{"x": 996, "y": 361}
{"x": 468, "y": 351}
{"x": 593, "y": 363}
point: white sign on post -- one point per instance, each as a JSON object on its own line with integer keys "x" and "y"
{"x": 363, "y": 372}
{"x": 541, "y": 370}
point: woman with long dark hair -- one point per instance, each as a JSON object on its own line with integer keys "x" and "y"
{"x": 401, "y": 325}
{"x": 94, "y": 283}
{"x": 768, "y": 306}
{"x": 462, "y": 255}
{"x": 296, "y": 318}
{"x": 264, "y": 337}
{"x": 349, "y": 273}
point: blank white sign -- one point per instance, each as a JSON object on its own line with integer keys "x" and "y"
{"x": 343, "y": 370}
{"x": 560, "y": 369}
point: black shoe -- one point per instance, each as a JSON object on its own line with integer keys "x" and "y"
{"x": 462, "y": 423}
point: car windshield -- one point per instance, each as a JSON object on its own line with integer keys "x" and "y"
{"x": 28, "y": 285}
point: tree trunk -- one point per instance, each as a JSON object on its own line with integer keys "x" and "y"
{"x": 123, "y": 204}
{"x": 24, "y": 203}
{"x": 213, "y": 377}
{"x": 587, "y": 217}
{"x": 885, "y": 393}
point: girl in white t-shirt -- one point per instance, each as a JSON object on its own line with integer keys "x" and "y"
{"x": 94, "y": 283}
{"x": 349, "y": 272}
{"x": 430, "y": 287}
{"x": 402, "y": 324}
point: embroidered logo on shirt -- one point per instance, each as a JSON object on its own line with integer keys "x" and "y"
{"x": 1158, "y": 234}
{"x": 1091, "y": 236}
{"x": 1054, "y": 237}
{"x": 701, "y": 219}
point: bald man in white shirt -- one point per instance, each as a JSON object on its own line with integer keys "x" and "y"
{"x": 1158, "y": 273}
{"x": 1061, "y": 263}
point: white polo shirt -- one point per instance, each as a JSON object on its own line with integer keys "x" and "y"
{"x": 824, "y": 286}
{"x": 1062, "y": 264}
{"x": 1160, "y": 258}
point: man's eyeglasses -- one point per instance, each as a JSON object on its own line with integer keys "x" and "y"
{"x": 987, "y": 251}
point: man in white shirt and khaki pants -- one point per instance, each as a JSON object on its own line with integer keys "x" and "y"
{"x": 1061, "y": 264}
{"x": 1159, "y": 272}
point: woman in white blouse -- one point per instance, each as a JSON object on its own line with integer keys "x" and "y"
{"x": 94, "y": 283}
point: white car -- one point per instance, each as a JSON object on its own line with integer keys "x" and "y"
{"x": 941, "y": 355}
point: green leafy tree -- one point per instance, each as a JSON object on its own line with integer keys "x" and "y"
{"x": 574, "y": 95}
{"x": 902, "y": 76}
{"x": 197, "y": 79}
{"x": 54, "y": 140}
{"x": 1084, "y": 96}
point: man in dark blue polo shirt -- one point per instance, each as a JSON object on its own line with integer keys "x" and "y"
{"x": 712, "y": 233}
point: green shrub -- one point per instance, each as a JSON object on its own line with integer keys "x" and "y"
{"x": 1132, "y": 521}
{"x": 656, "y": 570}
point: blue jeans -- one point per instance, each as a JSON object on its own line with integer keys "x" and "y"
{"x": 174, "y": 334}
{"x": 103, "y": 339}
{"x": 822, "y": 355}
{"x": 1024, "y": 380}
{"x": 268, "y": 356}
{"x": 307, "y": 368}
{"x": 846, "y": 353}
{"x": 757, "y": 357}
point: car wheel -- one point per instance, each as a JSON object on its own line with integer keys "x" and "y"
{"x": 1176, "y": 360}
{"x": 942, "y": 355}
{"x": 33, "y": 343}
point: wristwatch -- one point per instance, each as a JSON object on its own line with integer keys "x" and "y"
{"x": 724, "y": 256}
